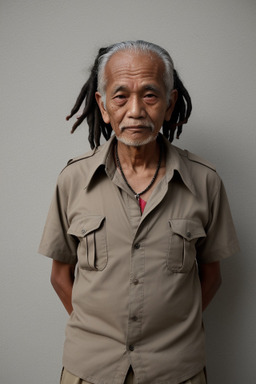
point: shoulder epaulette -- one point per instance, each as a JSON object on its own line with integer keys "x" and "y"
{"x": 196, "y": 159}
{"x": 82, "y": 157}
{"x": 79, "y": 158}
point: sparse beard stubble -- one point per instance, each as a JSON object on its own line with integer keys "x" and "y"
{"x": 138, "y": 143}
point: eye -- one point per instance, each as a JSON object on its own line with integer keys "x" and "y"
{"x": 120, "y": 99}
{"x": 150, "y": 97}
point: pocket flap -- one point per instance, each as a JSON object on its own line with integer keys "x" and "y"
{"x": 83, "y": 226}
{"x": 188, "y": 228}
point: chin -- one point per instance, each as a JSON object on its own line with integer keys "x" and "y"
{"x": 136, "y": 143}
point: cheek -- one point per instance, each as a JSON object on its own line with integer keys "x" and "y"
{"x": 158, "y": 118}
{"x": 115, "y": 123}
{"x": 115, "y": 116}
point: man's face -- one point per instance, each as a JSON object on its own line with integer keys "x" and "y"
{"x": 136, "y": 101}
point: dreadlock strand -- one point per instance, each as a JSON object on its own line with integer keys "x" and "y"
{"x": 104, "y": 131}
{"x": 97, "y": 124}
{"x": 91, "y": 137}
{"x": 186, "y": 100}
{"x": 182, "y": 111}
{"x": 90, "y": 122}
{"x": 176, "y": 112}
{"x": 89, "y": 101}
{"x": 172, "y": 124}
{"x": 179, "y": 131}
{"x": 109, "y": 131}
{"x": 97, "y": 134}
{"x": 86, "y": 94}
{"x": 181, "y": 116}
{"x": 171, "y": 133}
{"x": 166, "y": 130}
{"x": 79, "y": 100}
{"x": 78, "y": 122}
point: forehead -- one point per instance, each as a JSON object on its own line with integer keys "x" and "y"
{"x": 128, "y": 67}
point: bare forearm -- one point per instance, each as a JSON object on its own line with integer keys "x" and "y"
{"x": 64, "y": 293}
{"x": 210, "y": 277}
{"x": 62, "y": 279}
{"x": 208, "y": 292}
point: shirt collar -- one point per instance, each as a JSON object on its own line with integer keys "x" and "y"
{"x": 175, "y": 162}
{"x": 102, "y": 156}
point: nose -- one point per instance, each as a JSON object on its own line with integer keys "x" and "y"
{"x": 136, "y": 109}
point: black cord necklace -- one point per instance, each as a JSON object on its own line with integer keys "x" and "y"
{"x": 137, "y": 195}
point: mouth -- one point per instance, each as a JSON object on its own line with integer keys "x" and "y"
{"x": 135, "y": 128}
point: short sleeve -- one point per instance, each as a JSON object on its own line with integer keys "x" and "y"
{"x": 221, "y": 239}
{"x": 55, "y": 242}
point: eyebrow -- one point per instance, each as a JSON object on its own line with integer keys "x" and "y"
{"x": 147, "y": 87}
{"x": 119, "y": 88}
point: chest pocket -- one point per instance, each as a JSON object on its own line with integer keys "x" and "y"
{"x": 182, "y": 244}
{"x": 92, "y": 247}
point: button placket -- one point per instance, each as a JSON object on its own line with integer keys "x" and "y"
{"x": 136, "y": 295}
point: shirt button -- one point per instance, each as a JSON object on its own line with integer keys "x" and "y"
{"x": 189, "y": 234}
{"x": 131, "y": 348}
{"x": 134, "y": 318}
{"x": 135, "y": 281}
{"x": 137, "y": 246}
{"x": 83, "y": 231}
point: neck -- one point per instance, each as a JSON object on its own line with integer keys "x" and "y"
{"x": 142, "y": 173}
{"x": 143, "y": 156}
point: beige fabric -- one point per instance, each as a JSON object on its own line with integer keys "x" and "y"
{"x": 68, "y": 378}
{"x": 137, "y": 294}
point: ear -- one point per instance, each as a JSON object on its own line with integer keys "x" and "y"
{"x": 172, "y": 102}
{"x": 102, "y": 108}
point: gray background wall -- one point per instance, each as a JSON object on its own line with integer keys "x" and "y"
{"x": 46, "y": 48}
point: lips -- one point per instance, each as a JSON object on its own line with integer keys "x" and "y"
{"x": 136, "y": 127}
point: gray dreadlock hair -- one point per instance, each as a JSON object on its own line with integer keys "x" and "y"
{"x": 97, "y": 82}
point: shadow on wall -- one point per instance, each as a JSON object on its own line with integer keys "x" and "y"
{"x": 224, "y": 320}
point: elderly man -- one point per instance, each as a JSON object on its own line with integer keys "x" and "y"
{"x": 136, "y": 229}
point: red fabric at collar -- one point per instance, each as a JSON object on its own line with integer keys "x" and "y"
{"x": 142, "y": 204}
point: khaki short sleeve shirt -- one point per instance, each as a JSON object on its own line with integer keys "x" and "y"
{"x": 137, "y": 295}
